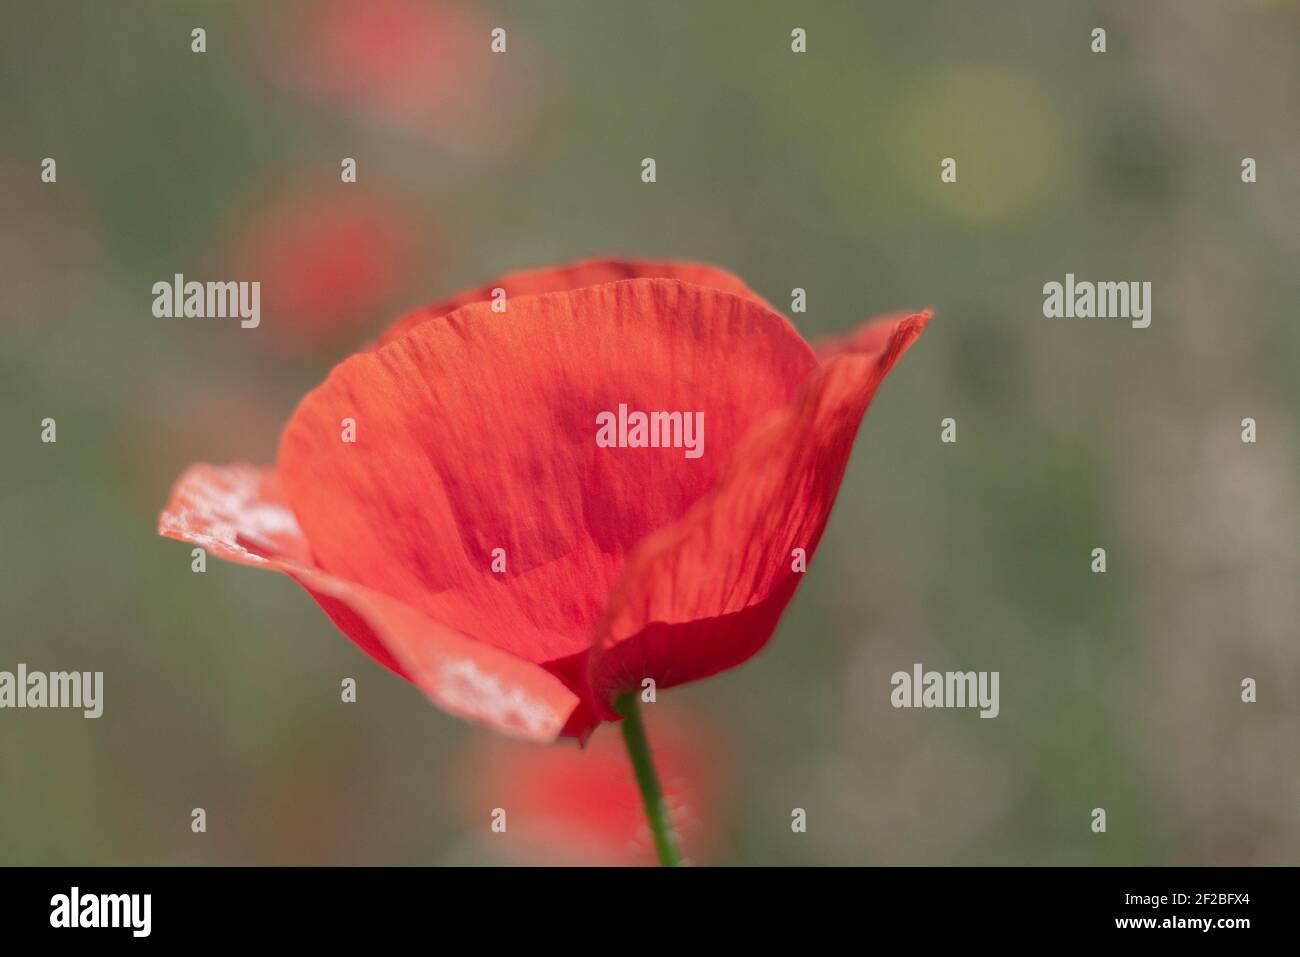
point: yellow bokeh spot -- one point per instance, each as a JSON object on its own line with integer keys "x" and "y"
{"x": 1001, "y": 127}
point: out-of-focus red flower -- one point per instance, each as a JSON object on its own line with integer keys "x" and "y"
{"x": 569, "y": 806}
{"x": 421, "y": 67}
{"x": 328, "y": 261}
{"x": 475, "y": 442}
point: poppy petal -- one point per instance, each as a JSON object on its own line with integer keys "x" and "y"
{"x": 706, "y": 594}
{"x": 869, "y": 338}
{"x": 589, "y": 272}
{"x": 478, "y": 433}
{"x": 238, "y": 513}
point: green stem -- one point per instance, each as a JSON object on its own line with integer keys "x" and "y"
{"x": 638, "y": 749}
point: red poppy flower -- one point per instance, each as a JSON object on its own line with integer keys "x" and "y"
{"x": 477, "y": 539}
{"x": 568, "y": 806}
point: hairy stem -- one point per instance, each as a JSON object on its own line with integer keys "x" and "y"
{"x": 647, "y": 779}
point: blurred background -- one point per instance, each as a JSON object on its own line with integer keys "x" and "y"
{"x": 818, "y": 171}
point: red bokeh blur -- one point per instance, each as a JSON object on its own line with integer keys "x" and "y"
{"x": 330, "y": 260}
{"x": 581, "y": 806}
{"x": 419, "y": 67}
